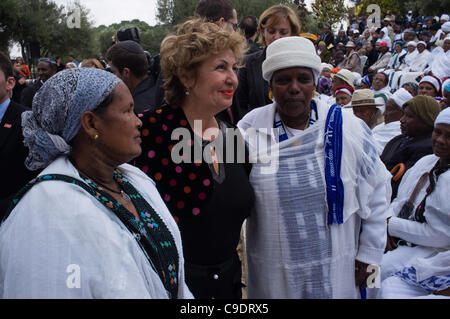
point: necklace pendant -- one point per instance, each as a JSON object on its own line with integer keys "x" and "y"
{"x": 125, "y": 196}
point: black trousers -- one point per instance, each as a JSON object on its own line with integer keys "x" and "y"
{"x": 221, "y": 281}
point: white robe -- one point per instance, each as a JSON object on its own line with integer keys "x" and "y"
{"x": 58, "y": 231}
{"x": 394, "y": 62}
{"x": 408, "y": 60}
{"x": 440, "y": 63}
{"x": 420, "y": 61}
{"x": 431, "y": 237}
{"x": 292, "y": 251}
{"x": 383, "y": 133}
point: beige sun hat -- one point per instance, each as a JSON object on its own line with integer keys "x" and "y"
{"x": 364, "y": 97}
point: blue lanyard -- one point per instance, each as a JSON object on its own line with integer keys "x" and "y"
{"x": 283, "y": 136}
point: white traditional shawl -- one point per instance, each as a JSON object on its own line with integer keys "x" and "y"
{"x": 292, "y": 251}
{"x": 58, "y": 231}
{"x": 431, "y": 261}
{"x": 437, "y": 207}
{"x": 420, "y": 61}
{"x": 440, "y": 64}
{"x": 394, "y": 62}
{"x": 409, "y": 58}
{"x": 383, "y": 133}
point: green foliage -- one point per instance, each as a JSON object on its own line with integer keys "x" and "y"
{"x": 329, "y": 11}
{"x": 9, "y": 13}
{"x": 151, "y": 36}
{"x": 385, "y": 6}
{"x": 425, "y": 7}
{"x": 26, "y": 21}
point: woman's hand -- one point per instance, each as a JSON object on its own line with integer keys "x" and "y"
{"x": 391, "y": 243}
{"x": 361, "y": 274}
{"x": 445, "y": 292}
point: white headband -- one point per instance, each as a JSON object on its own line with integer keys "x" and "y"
{"x": 346, "y": 91}
{"x": 443, "y": 117}
{"x": 433, "y": 81}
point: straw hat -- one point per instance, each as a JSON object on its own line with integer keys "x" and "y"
{"x": 364, "y": 97}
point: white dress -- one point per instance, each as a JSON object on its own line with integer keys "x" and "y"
{"x": 61, "y": 242}
{"x": 292, "y": 251}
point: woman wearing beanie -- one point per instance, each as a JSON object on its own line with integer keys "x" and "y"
{"x": 415, "y": 141}
{"x": 307, "y": 237}
{"x": 417, "y": 263}
{"x": 90, "y": 225}
{"x": 344, "y": 95}
{"x": 430, "y": 86}
{"x": 278, "y": 21}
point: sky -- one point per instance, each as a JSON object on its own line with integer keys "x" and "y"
{"x": 114, "y": 11}
{"x": 108, "y": 12}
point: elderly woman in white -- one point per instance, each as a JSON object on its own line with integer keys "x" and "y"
{"x": 321, "y": 189}
{"x": 417, "y": 263}
{"x": 383, "y": 133}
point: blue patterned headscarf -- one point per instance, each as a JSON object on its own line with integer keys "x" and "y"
{"x": 55, "y": 117}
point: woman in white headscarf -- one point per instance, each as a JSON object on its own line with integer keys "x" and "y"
{"x": 90, "y": 225}
{"x": 321, "y": 189}
{"x": 417, "y": 263}
{"x": 410, "y": 56}
{"x": 383, "y": 133}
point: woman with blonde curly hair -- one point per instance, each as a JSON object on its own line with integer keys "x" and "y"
{"x": 278, "y": 21}
{"x": 206, "y": 190}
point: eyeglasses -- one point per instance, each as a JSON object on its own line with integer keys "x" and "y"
{"x": 234, "y": 25}
{"x": 48, "y": 60}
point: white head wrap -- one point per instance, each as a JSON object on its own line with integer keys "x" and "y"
{"x": 413, "y": 43}
{"x": 326, "y": 65}
{"x": 443, "y": 117}
{"x": 401, "y": 96}
{"x": 446, "y": 27}
{"x": 445, "y": 17}
{"x": 422, "y": 42}
{"x": 291, "y": 52}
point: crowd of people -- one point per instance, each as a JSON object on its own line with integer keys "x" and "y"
{"x": 293, "y": 166}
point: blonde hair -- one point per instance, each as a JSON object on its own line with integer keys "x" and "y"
{"x": 92, "y": 63}
{"x": 273, "y": 15}
{"x": 193, "y": 42}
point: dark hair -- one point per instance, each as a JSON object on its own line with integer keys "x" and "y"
{"x": 5, "y": 65}
{"x": 411, "y": 85}
{"x": 123, "y": 58}
{"x": 51, "y": 62}
{"x": 386, "y": 77}
{"x": 213, "y": 10}
{"x": 249, "y": 24}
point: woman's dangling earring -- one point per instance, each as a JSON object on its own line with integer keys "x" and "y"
{"x": 187, "y": 92}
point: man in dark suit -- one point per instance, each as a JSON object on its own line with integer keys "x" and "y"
{"x": 46, "y": 68}
{"x": 327, "y": 36}
{"x": 12, "y": 150}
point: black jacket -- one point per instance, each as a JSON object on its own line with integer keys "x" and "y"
{"x": 29, "y": 93}
{"x": 12, "y": 156}
{"x": 253, "y": 90}
{"x": 143, "y": 95}
{"x": 407, "y": 150}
